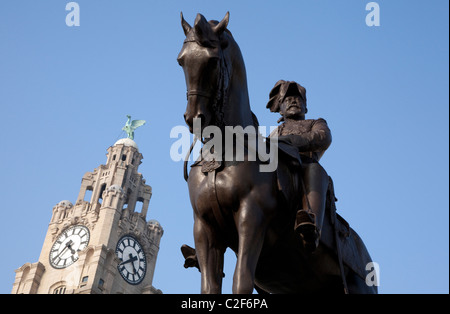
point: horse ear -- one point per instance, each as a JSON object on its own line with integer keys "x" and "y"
{"x": 185, "y": 25}
{"x": 219, "y": 28}
{"x": 202, "y": 31}
{"x": 200, "y": 24}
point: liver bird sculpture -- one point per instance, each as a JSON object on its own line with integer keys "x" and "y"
{"x": 130, "y": 126}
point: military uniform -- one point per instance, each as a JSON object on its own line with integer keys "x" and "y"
{"x": 310, "y": 138}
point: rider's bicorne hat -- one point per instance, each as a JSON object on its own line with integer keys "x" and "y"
{"x": 281, "y": 90}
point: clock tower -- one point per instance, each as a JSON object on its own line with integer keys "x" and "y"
{"x": 103, "y": 243}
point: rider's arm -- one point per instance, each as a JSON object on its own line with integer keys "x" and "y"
{"x": 316, "y": 140}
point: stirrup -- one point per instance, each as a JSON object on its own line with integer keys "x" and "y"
{"x": 304, "y": 216}
{"x": 309, "y": 234}
{"x": 307, "y": 230}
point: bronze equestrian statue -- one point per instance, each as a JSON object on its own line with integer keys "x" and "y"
{"x": 273, "y": 221}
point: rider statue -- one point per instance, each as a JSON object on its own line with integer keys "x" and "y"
{"x": 311, "y": 138}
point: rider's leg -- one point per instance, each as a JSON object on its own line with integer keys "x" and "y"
{"x": 316, "y": 184}
{"x": 315, "y": 181}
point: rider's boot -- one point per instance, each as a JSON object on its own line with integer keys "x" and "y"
{"x": 307, "y": 229}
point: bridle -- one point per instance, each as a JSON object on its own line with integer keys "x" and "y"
{"x": 198, "y": 93}
{"x": 219, "y": 97}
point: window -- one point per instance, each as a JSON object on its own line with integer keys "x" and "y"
{"x": 84, "y": 281}
{"x": 101, "y": 282}
{"x": 88, "y": 194}
{"x": 141, "y": 201}
{"x": 59, "y": 290}
{"x": 100, "y": 196}
{"x": 124, "y": 157}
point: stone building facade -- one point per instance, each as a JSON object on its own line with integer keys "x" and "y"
{"x": 102, "y": 244}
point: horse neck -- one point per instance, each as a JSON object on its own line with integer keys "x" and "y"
{"x": 237, "y": 110}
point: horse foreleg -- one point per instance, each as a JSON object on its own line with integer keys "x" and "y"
{"x": 251, "y": 228}
{"x": 210, "y": 255}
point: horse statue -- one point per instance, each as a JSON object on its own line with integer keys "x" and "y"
{"x": 237, "y": 206}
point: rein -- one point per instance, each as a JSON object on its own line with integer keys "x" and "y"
{"x": 220, "y": 97}
{"x": 220, "y": 94}
{"x": 186, "y": 176}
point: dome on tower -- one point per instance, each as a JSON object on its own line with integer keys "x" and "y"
{"x": 66, "y": 204}
{"x": 154, "y": 222}
{"x": 127, "y": 142}
{"x": 155, "y": 226}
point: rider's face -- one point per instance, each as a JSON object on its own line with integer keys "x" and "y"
{"x": 293, "y": 107}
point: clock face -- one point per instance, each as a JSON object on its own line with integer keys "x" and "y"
{"x": 65, "y": 250}
{"x": 132, "y": 265}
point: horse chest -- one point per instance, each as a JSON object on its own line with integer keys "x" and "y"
{"x": 222, "y": 189}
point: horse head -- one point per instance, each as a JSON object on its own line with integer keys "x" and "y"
{"x": 204, "y": 65}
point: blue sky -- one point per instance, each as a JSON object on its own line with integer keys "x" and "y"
{"x": 65, "y": 93}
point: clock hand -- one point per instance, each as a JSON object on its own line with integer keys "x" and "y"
{"x": 131, "y": 259}
{"x": 63, "y": 250}
{"x": 68, "y": 244}
{"x": 132, "y": 264}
